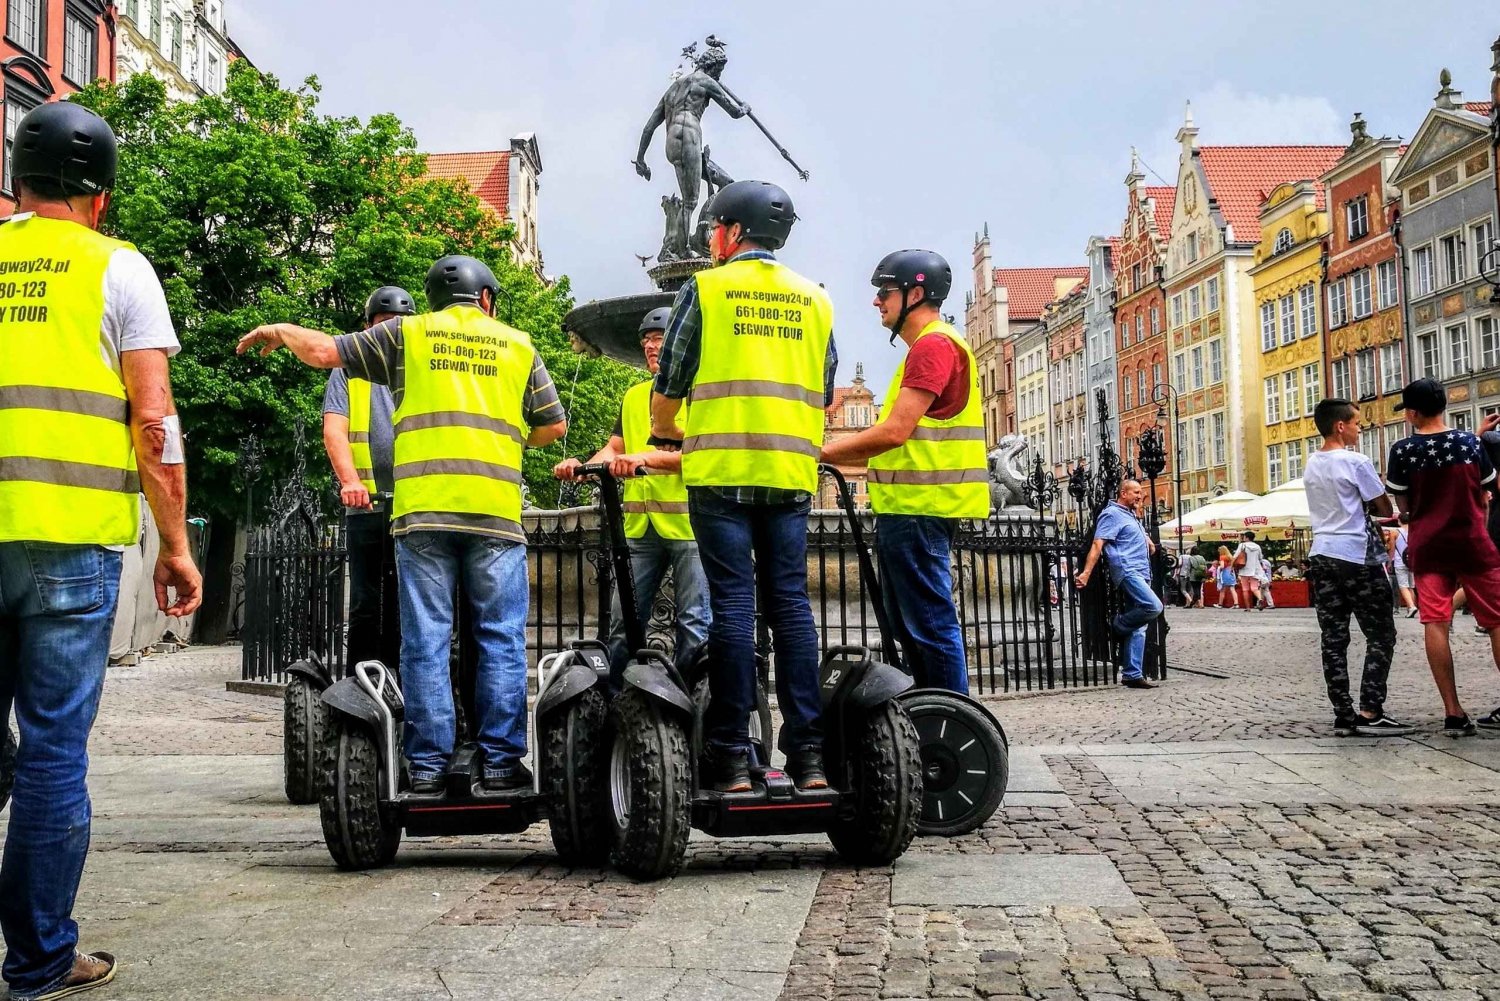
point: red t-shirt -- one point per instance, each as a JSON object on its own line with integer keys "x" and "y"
{"x": 936, "y": 365}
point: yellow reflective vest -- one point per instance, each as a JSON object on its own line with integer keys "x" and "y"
{"x": 67, "y": 466}
{"x": 659, "y": 500}
{"x": 359, "y": 432}
{"x": 757, "y": 401}
{"x": 460, "y": 426}
{"x": 941, "y": 469}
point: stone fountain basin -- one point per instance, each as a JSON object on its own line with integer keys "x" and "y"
{"x": 611, "y": 327}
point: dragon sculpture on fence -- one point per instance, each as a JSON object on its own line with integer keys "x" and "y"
{"x": 1007, "y": 481}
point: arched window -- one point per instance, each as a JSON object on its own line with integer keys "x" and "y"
{"x": 1283, "y": 241}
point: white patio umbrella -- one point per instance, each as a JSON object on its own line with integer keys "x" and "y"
{"x": 1202, "y": 524}
{"x": 1284, "y": 508}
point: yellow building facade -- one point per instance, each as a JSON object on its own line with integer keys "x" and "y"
{"x": 1286, "y": 281}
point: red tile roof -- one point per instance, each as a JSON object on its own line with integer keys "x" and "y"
{"x": 1478, "y": 107}
{"x": 1162, "y": 201}
{"x": 488, "y": 174}
{"x": 1241, "y": 177}
{"x": 1029, "y": 290}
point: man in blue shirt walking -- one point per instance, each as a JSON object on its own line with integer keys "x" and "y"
{"x": 1120, "y": 538}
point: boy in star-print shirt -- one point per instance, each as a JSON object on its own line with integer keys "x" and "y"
{"x": 1444, "y": 483}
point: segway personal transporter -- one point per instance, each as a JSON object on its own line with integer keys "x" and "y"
{"x": 965, "y": 754}
{"x": 366, "y": 801}
{"x": 304, "y": 718}
{"x": 656, "y": 794}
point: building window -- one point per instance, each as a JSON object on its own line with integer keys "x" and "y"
{"x": 1482, "y": 238}
{"x": 1213, "y": 294}
{"x": 1216, "y": 361}
{"x": 213, "y": 83}
{"x": 1218, "y": 423}
{"x": 1156, "y": 374}
{"x": 1128, "y": 388}
{"x": 1293, "y": 459}
{"x": 1369, "y": 443}
{"x": 1140, "y": 328}
{"x": 1364, "y": 371}
{"x": 1359, "y": 284}
{"x": 78, "y": 50}
{"x": 1195, "y": 303}
{"x": 1288, "y": 319}
{"x": 1312, "y": 386}
{"x": 1284, "y": 241}
{"x": 1289, "y": 394}
{"x": 1385, "y": 274}
{"x": 1461, "y": 420}
{"x": 1458, "y": 349}
{"x": 1267, "y": 326}
{"x": 1192, "y": 247}
{"x": 1357, "y": 217}
{"x": 153, "y": 29}
{"x": 1155, "y": 320}
{"x": 15, "y": 110}
{"x": 1200, "y": 442}
{"x": 1198, "y": 367}
{"x": 176, "y": 25}
{"x": 1427, "y": 350}
{"x": 1307, "y": 305}
{"x": 1273, "y": 400}
{"x": 1273, "y": 466}
{"x": 133, "y": 9}
{"x": 1124, "y": 335}
{"x": 24, "y": 22}
{"x": 1390, "y": 368}
{"x": 1451, "y": 257}
{"x": 1142, "y": 395}
{"x": 1421, "y": 271}
{"x": 1343, "y": 389}
{"x": 1338, "y": 314}
{"x": 1177, "y": 310}
{"x": 1179, "y": 372}
{"x": 1489, "y": 342}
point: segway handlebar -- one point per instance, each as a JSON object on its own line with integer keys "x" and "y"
{"x": 601, "y": 471}
{"x": 866, "y": 564}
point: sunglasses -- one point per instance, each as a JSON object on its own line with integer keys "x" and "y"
{"x": 881, "y": 293}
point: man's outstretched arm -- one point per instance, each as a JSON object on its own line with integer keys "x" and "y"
{"x": 653, "y": 123}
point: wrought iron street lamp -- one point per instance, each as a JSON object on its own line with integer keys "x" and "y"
{"x": 1161, "y": 393}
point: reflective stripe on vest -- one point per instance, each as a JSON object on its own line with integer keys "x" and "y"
{"x": 359, "y": 432}
{"x": 941, "y": 469}
{"x": 67, "y": 467}
{"x": 757, "y": 401}
{"x": 460, "y": 425}
{"x": 660, "y": 499}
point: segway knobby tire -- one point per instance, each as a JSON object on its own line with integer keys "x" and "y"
{"x": 8, "y": 748}
{"x": 575, "y": 779}
{"x": 304, "y": 722}
{"x": 358, "y": 833}
{"x": 965, "y": 763}
{"x": 887, "y": 790}
{"x": 649, "y": 778}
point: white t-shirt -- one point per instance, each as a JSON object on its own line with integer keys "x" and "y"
{"x": 1338, "y": 486}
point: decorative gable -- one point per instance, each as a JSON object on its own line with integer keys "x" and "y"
{"x": 1441, "y": 135}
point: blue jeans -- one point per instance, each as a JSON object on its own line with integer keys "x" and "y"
{"x": 729, "y": 535}
{"x": 916, "y": 576}
{"x": 57, "y": 604}
{"x": 650, "y": 555}
{"x": 1139, "y": 608}
{"x": 429, "y": 565}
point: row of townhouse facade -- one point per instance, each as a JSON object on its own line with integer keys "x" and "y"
{"x": 1264, "y": 280}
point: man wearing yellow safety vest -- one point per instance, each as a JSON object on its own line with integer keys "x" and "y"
{"x": 752, "y": 342}
{"x": 87, "y": 422}
{"x": 359, "y": 437}
{"x": 471, "y": 393}
{"x": 926, "y": 464}
{"x": 656, "y": 515}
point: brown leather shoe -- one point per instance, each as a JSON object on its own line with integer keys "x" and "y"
{"x": 1137, "y": 683}
{"x": 89, "y": 971}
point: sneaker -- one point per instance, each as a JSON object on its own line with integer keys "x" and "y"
{"x": 1345, "y": 726}
{"x": 1490, "y": 722}
{"x": 806, "y": 768}
{"x": 1411, "y": 613}
{"x": 1381, "y": 726}
{"x": 427, "y": 784}
{"x": 728, "y": 771}
{"x": 1458, "y": 726}
{"x": 88, "y": 972}
{"x": 1481, "y": 631}
{"x": 518, "y": 777}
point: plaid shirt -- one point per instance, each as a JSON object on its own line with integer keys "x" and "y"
{"x": 680, "y": 350}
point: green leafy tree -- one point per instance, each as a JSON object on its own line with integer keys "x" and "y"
{"x": 256, "y": 208}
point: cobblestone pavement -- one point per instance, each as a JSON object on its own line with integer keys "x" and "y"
{"x": 1205, "y": 840}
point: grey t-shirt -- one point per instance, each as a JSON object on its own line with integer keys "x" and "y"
{"x": 382, "y": 429}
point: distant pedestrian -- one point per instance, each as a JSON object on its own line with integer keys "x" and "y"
{"x": 1443, "y": 482}
{"x": 1249, "y": 566}
{"x": 1197, "y": 574}
{"x": 1348, "y": 559}
{"x": 1402, "y": 573}
{"x": 1119, "y": 538}
{"x": 1224, "y": 578}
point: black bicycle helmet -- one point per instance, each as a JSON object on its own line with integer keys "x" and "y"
{"x": 458, "y": 278}
{"x": 763, "y": 210}
{"x": 389, "y": 299}
{"x": 655, "y": 320}
{"x": 68, "y": 145}
{"x": 909, "y": 269}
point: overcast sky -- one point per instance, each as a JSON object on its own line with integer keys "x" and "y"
{"x": 918, "y": 122}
